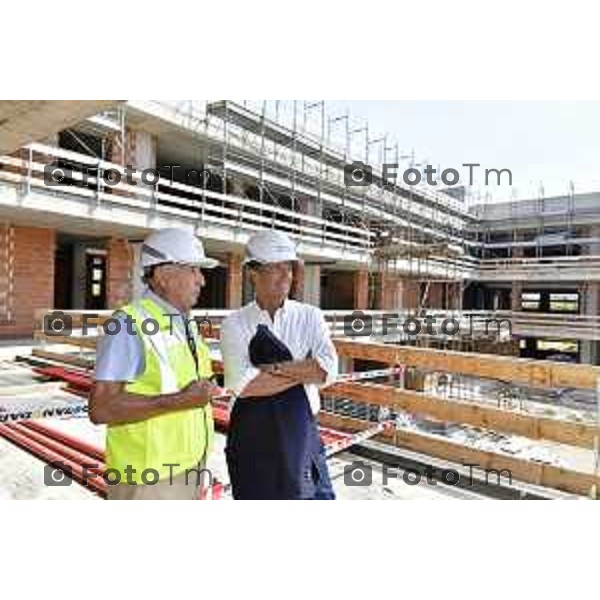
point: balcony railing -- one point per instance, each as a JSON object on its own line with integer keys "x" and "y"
{"x": 559, "y": 268}
{"x": 224, "y": 215}
{"x": 84, "y": 179}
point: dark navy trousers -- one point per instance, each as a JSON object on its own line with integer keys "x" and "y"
{"x": 274, "y": 450}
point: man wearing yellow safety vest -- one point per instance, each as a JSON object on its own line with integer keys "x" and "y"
{"x": 153, "y": 373}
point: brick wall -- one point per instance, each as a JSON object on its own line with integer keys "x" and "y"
{"x": 396, "y": 293}
{"x": 234, "y": 281}
{"x": 33, "y": 279}
{"x": 391, "y": 293}
{"x": 410, "y": 294}
{"x": 337, "y": 291}
{"x": 435, "y": 296}
{"x": 119, "y": 284}
{"x": 361, "y": 290}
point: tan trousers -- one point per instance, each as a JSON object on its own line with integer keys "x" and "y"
{"x": 175, "y": 489}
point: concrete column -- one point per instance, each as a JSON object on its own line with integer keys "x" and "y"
{"x": 138, "y": 149}
{"x": 346, "y": 365}
{"x": 496, "y": 300}
{"x": 517, "y": 286}
{"x": 233, "y": 290}
{"x": 307, "y": 206}
{"x": 144, "y": 152}
{"x": 590, "y": 350}
{"x": 237, "y": 188}
{"x": 515, "y": 296}
{"x": 590, "y": 305}
{"x": 455, "y": 296}
{"x": 79, "y": 276}
{"x": 312, "y": 284}
{"x": 297, "y": 289}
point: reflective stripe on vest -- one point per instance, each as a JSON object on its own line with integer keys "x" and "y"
{"x": 175, "y": 441}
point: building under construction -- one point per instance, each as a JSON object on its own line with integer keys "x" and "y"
{"x": 81, "y": 185}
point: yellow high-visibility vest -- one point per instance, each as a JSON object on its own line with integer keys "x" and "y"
{"x": 179, "y": 438}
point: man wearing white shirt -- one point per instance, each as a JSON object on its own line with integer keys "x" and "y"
{"x": 277, "y": 353}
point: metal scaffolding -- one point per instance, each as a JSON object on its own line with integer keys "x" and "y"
{"x": 298, "y": 159}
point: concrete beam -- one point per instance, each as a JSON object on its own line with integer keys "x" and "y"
{"x": 25, "y": 121}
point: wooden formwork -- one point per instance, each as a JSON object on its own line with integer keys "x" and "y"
{"x": 532, "y": 372}
{"x": 535, "y": 373}
{"x": 566, "y": 480}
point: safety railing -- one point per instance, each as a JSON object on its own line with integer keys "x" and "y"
{"x": 496, "y": 423}
{"x": 85, "y": 180}
{"x": 427, "y": 326}
{"x": 541, "y": 268}
{"x": 86, "y": 177}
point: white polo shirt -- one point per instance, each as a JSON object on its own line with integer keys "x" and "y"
{"x": 301, "y": 327}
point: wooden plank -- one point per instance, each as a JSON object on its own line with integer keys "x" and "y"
{"x": 468, "y": 413}
{"x": 71, "y": 340}
{"x": 63, "y": 358}
{"x": 536, "y": 373}
{"x": 88, "y": 363}
{"x": 550, "y": 476}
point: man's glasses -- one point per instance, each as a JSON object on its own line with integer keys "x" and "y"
{"x": 271, "y": 268}
{"x": 182, "y": 267}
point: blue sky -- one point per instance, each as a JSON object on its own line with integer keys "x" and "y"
{"x": 547, "y": 142}
{"x": 543, "y": 143}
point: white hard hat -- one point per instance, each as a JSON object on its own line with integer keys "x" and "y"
{"x": 269, "y": 246}
{"x": 173, "y": 245}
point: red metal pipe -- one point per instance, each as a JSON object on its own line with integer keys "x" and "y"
{"x": 67, "y": 446}
{"x": 68, "y": 440}
{"x": 75, "y": 378}
{"x": 58, "y": 447}
{"x": 41, "y": 451}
